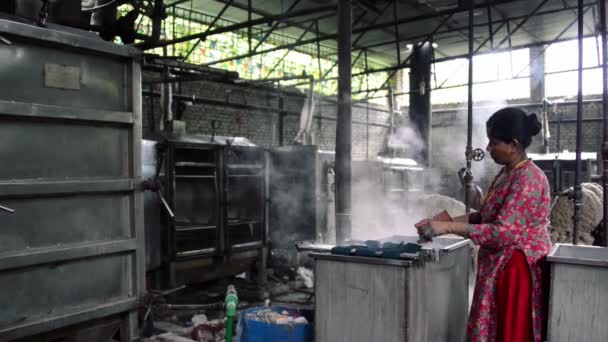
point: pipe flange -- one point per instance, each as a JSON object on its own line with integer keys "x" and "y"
{"x": 478, "y": 154}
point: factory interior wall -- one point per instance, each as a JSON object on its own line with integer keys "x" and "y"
{"x": 262, "y": 127}
{"x": 448, "y": 138}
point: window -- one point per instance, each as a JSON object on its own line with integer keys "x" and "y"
{"x": 561, "y": 64}
{"x": 498, "y": 76}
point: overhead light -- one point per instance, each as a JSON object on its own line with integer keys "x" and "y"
{"x": 435, "y": 45}
{"x": 409, "y": 46}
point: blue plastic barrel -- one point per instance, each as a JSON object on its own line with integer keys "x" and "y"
{"x": 253, "y": 330}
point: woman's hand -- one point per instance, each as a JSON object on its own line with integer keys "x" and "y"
{"x": 427, "y": 229}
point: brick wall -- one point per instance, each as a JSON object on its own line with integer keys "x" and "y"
{"x": 262, "y": 126}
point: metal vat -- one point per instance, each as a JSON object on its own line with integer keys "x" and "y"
{"x": 370, "y": 299}
{"x": 216, "y": 189}
{"x": 579, "y": 293}
{"x": 70, "y": 138}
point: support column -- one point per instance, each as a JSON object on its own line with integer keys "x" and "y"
{"x": 537, "y": 74}
{"x": 420, "y": 96}
{"x": 343, "y": 124}
{"x": 602, "y": 11}
{"x": 537, "y": 88}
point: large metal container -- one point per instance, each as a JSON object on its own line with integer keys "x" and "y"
{"x": 216, "y": 189}
{"x": 300, "y": 196}
{"x": 70, "y": 138}
{"x": 578, "y": 299}
{"x": 370, "y": 299}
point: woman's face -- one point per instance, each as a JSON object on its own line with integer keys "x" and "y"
{"x": 501, "y": 152}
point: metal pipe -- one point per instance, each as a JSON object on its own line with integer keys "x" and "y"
{"x": 468, "y": 176}
{"x": 263, "y": 109}
{"x": 602, "y": 10}
{"x": 343, "y": 125}
{"x": 490, "y": 30}
{"x": 579, "y": 129}
{"x": 397, "y": 39}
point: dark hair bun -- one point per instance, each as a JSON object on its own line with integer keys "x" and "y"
{"x": 534, "y": 126}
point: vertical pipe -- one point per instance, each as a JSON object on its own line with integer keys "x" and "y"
{"x": 249, "y": 27}
{"x": 468, "y": 176}
{"x": 366, "y": 108}
{"x": 318, "y": 49}
{"x": 557, "y": 175}
{"x": 343, "y": 124}
{"x": 397, "y": 39}
{"x": 281, "y": 117}
{"x": 579, "y": 128}
{"x": 490, "y": 29}
{"x": 602, "y": 10}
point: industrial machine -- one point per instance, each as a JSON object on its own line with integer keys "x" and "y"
{"x": 206, "y": 214}
{"x": 71, "y": 242}
{"x": 376, "y": 299}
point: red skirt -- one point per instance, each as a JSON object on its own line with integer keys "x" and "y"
{"x": 514, "y": 301}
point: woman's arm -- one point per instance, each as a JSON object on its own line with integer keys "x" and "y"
{"x": 472, "y": 218}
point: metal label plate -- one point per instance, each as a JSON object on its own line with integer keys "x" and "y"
{"x": 62, "y": 76}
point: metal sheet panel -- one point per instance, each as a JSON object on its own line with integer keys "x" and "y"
{"x": 52, "y": 221}
{"x": 371, "y": 299}
{"x": 438, "y": 298}
{"x": 60, "y": 287}
{"x": 101, "y": 84}
{"x": 57, "y": 150}
{"x": 359, "y": 302}
{"x": 72, "y": 251}
{"x": 579, "y": 294}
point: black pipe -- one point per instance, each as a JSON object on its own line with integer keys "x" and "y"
{"x": 557, "y": 175}
{"x": 343, "y": 125}
{"x": 264, "y": 109}
{"x": 579, "y": 129}
{"x": 468, "y": 176}
{"x": 602, "y": 10}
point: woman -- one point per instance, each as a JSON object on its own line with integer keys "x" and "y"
{"x": 511, "y": 230}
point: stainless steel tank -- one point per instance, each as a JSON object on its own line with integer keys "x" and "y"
{"x": 372, "y": 299}
{"x": 579, "y": 293}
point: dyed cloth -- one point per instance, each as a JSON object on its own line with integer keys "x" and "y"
{"x": 514, "y": 216}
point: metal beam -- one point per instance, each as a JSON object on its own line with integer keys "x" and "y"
{"x": 498, "y": 21}
{"x": 213, "y": 22}
{"x": 359, "y": 37}
{"x": 274, "y": 26}
{"x": 240, "y": 26}
{"x": 365, "y": 29}
{"x": 522, "y": 23}
{"x": 288, "y": 51}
